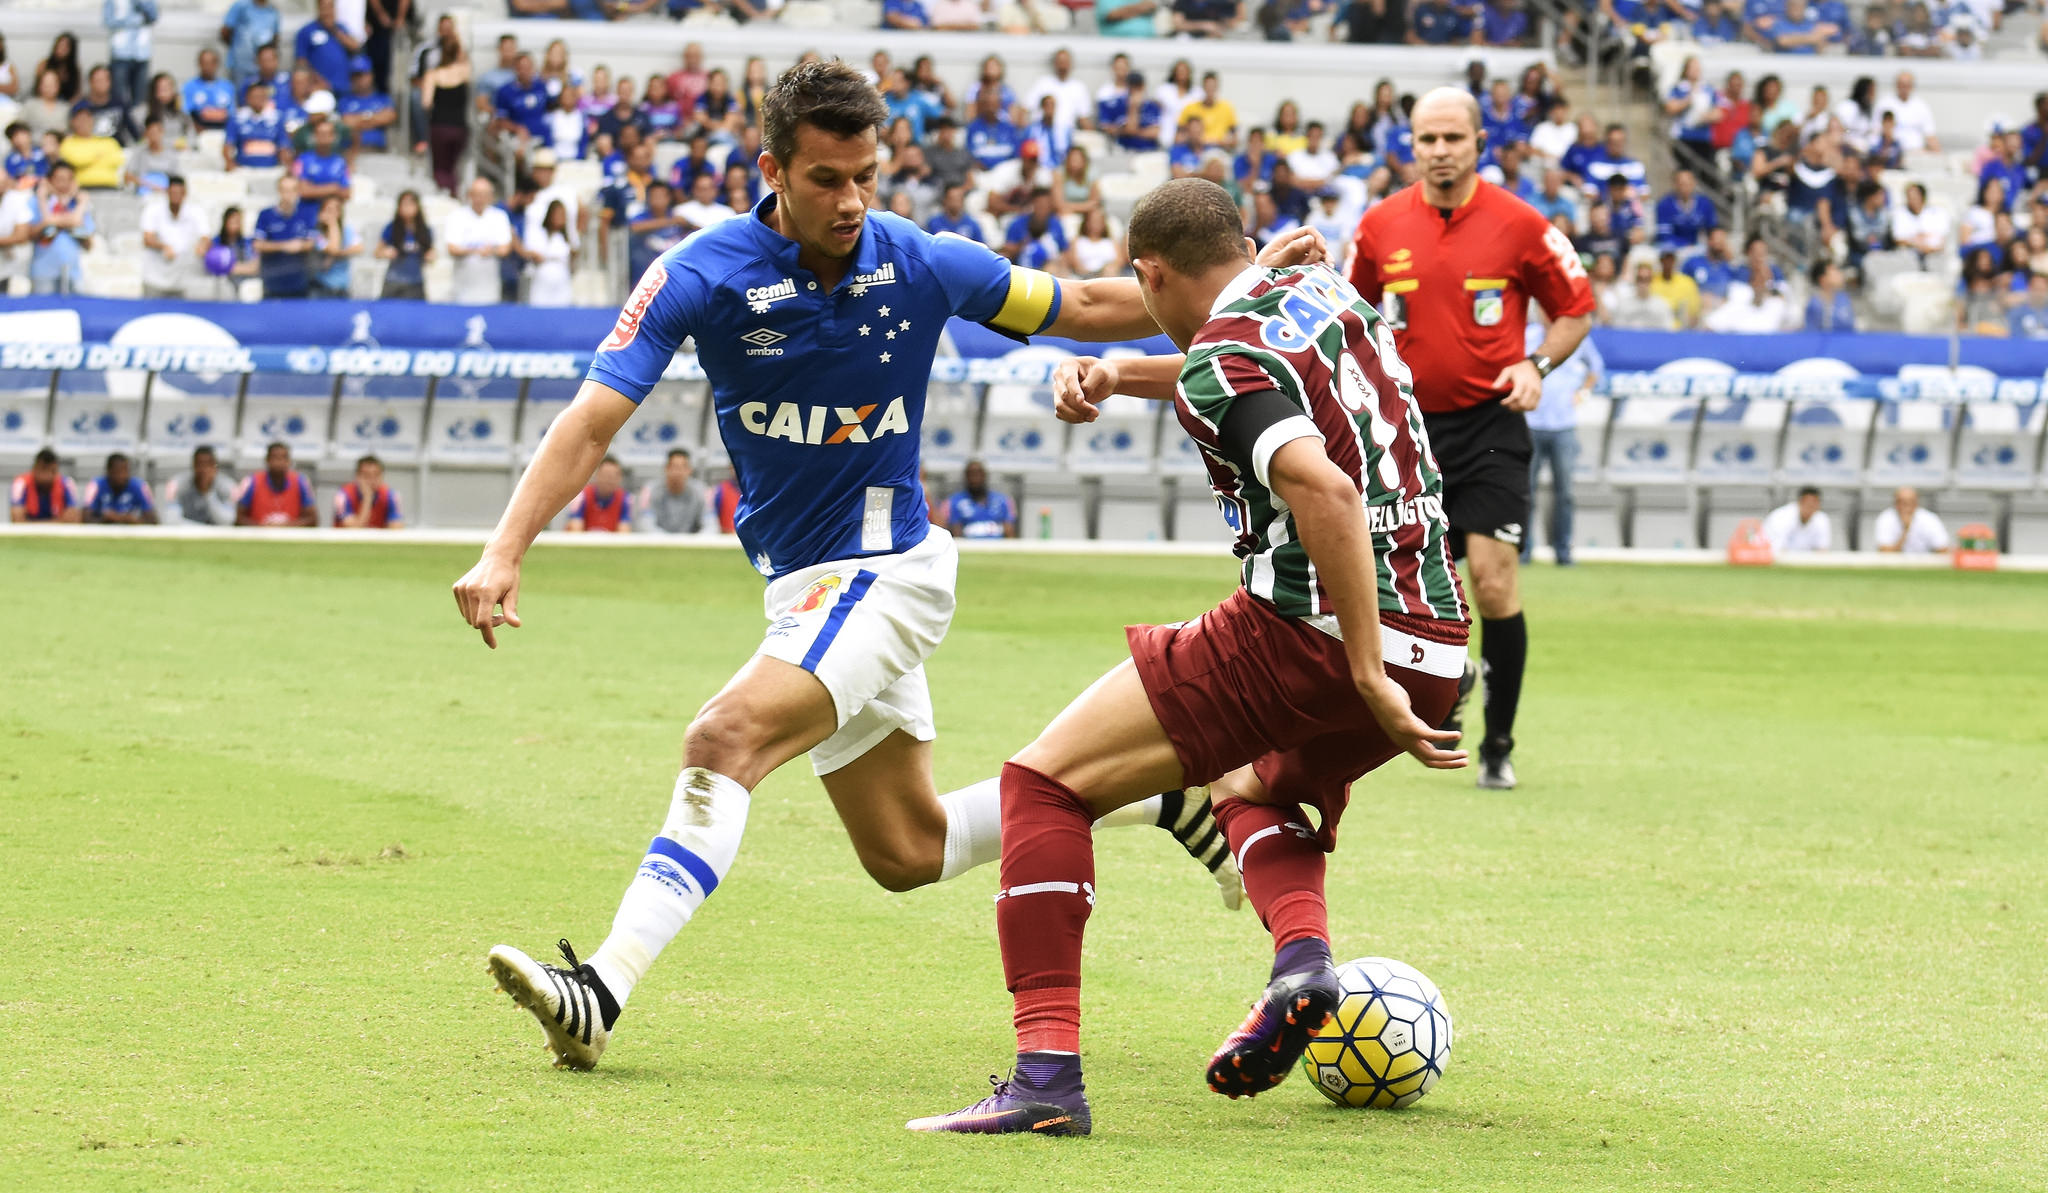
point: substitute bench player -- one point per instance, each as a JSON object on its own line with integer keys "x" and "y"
{"x": 1452, "y": 263}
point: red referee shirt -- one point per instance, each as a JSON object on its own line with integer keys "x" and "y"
{"x": 1457, "y": 290}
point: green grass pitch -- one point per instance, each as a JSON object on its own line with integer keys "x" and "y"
{"x": 1767, "y": 913}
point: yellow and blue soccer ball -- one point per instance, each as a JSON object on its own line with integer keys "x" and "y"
{"x": 1388, "y": 1042}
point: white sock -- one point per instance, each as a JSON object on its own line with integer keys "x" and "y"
{"x": 974, "y": 824}
{"x": 684, "y": 864}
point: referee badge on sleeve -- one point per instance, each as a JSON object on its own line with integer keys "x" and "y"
{"x": 1487, "y": 300}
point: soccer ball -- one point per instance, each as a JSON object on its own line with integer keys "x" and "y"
{"x": 1389, "y": 1040}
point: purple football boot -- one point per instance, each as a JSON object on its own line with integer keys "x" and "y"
{"x": 1258, "y": 1054}
{"x": 1043, "y": 1096}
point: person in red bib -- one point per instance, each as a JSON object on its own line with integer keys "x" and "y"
{"x": 725, "y": 502}
{"x": 277, "y": 496}
{"x": 42, "y": 494}
{"x": 367, "y": 503}
{"x": 1452, "y": 263}
{"x": 604, "y": 503}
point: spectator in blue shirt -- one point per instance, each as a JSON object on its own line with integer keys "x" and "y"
{"x": 1712, "y": 271}
{"x": 1817, "y": 201}
{"x": 1126, "y": 18}
{"x": 909, "y": 103}
{"x": 364, "y": 111}
{"x": 1036, "y": 238}
{"x": 209, "y": 99}
{"x": 991, "y": 138}
{"x": 2007, "y": 167}
{"x": 119, "y": 496}
{"x": 129, "y": 45}
{"x": 1255, "y": 164}
{"x": 56, "y": 265}
{"x": 2029, "y": 321}
{"x": 23, "y": 158}
{"x": 1624, "y": 211}
{"x": 325, "y": 46}
{"x": 284, "y": 240}
{"x": 904, "y": 14}
{"x": 1184, "y": 158}
{"x": 1577, "y": 160}
{"x": 1497, "y": 118}
{"x": 247, "y": 25}
{"x": 1204, "y": 18}
{"x": 1504, "y": 23}
{"x": 976, "y": 511}
{"x": 270, "y": 72}
{"x": 1553, "y": 199}
{"x": 1796, "y": 30}
{"x": 521, "y": 106}
{"x": 1684, "y": 215}
{"x": 1436, "y": 23}
{"x": 335, "y": 242}
{"x": 1613, "y": 161}
{"x": 1716, "y": 25}
{"x": 322, "y": 171}
{"x": 1130, "y": 117}
{"x": 407, "y": 244}
{"x": 655, "y": 230}
{"x": 952, "y": 215}
{"x": 1829, "y": 308}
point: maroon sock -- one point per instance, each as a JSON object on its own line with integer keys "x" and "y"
{"x": 1048, "y": 889}
{"x": 1282, "y": 864}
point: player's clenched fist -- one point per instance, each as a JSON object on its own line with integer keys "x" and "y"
{"x": 480, "y": 592}
{"x": 1079, "y": 387}
{"x": 1301, "y": 245}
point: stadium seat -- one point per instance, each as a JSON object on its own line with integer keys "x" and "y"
{"x": 1049, "y": 505}
{"x": 1119, "y": 442}
{"x": 1734, "y": 460}
{"x": 1019, "y": 432}
{"x": 808, "y": 14}
{"x": 1648, "y": 449}
{"x": 1825, "y": 442}
{"x": 952, "y": 420}
{"x": 381, "y": 422}
{"x": 1913, "y": 444}
{"x": 1999, "y": 445}
{"x": 672, "y": 416}
{"x": 288, "y": 409}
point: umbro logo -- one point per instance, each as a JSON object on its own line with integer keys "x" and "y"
{"x": 763, "y": 340}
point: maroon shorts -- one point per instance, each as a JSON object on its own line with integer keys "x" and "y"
{"x": 1243, "y": 684}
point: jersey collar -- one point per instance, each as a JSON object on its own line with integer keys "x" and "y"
{"x": 1236, "y": 288}
{"x": 781, "y": 252}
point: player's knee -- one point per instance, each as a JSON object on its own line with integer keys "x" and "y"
{"x": 1495, "y": 592}
{"x": 900, "y": 866}
{"x": 721, "y": 737}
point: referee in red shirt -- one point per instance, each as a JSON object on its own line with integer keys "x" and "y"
{"x": 1452, "y": 263}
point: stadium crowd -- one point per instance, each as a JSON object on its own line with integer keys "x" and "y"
{"x": 606, "y": 173}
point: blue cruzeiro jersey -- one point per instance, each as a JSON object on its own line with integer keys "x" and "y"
{"x": 820, "y": 394}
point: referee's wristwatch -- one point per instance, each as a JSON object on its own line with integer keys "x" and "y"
{"x": 1543, "y": 364}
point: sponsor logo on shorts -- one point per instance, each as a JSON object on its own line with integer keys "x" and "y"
{"x": 1509, "y": 533}
{"x": 628, "y": 327}
{"x": 814, "y": 596}
{"x": 1386, "y": 519}
{"x": 787, "y": 625}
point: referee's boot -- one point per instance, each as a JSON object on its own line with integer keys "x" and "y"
{"x": 1454, "y": 721}
{"x": 1496, "y": 765}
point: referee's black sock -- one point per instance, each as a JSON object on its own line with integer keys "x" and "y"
{"x": 1503, "y": 649}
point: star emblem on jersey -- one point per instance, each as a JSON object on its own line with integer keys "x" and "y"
{"x": 882, "y": 311}
{"x": 885, "y": 358}
{"x": 903, "y": 326}
{"x": 890, "y": 334}
{"x": 864, "y": 329}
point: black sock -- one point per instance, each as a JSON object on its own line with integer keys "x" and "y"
{"x": 1503, "y": 649}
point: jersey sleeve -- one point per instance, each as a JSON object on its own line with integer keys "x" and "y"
{"x": 654, "y": 322}
{"x": 1553, "y": 274}
{"x": 305, "y": 493}
{"x": 246, "y": 494}
{"x": 147, "y": 498}
{"x": 1250, "y": 408}
{"x": 987, "y": 289}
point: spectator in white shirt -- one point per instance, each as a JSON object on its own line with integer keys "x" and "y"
{"x": 1313, "y": 164}
{"x": 1799, "y": 526}
{"x": 1918, "y": 227}
{"x": 1911, "y": 116}
{"x": 549, "y": 191}
{"x": 1757, "y": 304}
{"x": 171, "y": 233}
{"x": 1904, "y": 528}
{"x": 1072, "y": 105}
{"x": 703, "y": 209}
{"x": 476, "y": 237}
{"x": 203, "y": 496}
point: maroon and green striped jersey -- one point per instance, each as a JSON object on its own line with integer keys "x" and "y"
{"x": 1306, "y": 335}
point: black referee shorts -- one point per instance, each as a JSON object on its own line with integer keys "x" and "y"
{"x": 1484, "y": 453}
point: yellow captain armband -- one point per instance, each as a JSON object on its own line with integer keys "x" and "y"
{"x": 1032, "y": 304}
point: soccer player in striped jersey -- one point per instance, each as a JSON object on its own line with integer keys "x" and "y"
{"x": 1342, "y": 648}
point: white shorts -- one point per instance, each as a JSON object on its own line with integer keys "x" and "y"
{"x": 865, "y": 627}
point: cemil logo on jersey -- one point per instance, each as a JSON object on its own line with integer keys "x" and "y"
{"x": 820, "y": 425}
{"x": 858, "y": 284}
{"x": 760, "y": 298}
{"x": 763, "y": 340}
{"x": 630, "y": 315}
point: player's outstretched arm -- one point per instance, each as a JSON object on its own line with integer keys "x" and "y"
{"x": 569, "y": 453}
{"x": 1103, "y": 309}
{"x": 1080, "y": 385}
{"x": 1330, "y": 519}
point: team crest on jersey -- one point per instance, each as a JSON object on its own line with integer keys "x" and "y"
{"x": 885, "y": 276}
{"x": 760, "y": 298}
{"x": 814, "y": 597}
{"x": 1487, "y": 307}
{"x": 628, "y": 327}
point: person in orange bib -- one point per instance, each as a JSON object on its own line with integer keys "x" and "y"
{"x": 604, "y": 503}
{"x": 42, "y": 494}
{"x": 1452, "y": 262}
{"x": 279, "y": 495}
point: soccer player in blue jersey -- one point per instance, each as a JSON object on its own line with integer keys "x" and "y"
{"x": 816, "y": 320}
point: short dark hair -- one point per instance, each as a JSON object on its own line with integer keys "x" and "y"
{"x": 1809, "y": 491}
{"x": 677, "y": 451}
{"x": 1819, "y": 269}
{"x": 45, "y": 457}
{"x": 829, "y": 96}
{"x": 1190, "y": 225}
{"x": 61, "y": 165}
{"x": 613, "y": 461}
{"x": 369, "y": 460}
{"x": 203, "y": 450}
{"x": 276, "y": 446}
{"x": 121, "y": 456}
{"x": 174, "y": 180}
